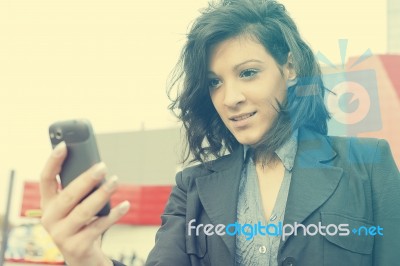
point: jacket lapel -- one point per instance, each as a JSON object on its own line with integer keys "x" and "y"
{"x": 219, "y": 191}
{"x": 314, "y": 179}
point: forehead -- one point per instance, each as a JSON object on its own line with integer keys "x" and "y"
{"x": 236, "y": 50}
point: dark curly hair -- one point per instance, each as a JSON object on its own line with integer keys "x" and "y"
{"x": 268, "y": 23}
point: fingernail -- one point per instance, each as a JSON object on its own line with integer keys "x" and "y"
{"x": 111, "y": 184}
{"x": 124, "y": 207}
{"x": 59, "y": 149}
{"x": 99, "y": 171}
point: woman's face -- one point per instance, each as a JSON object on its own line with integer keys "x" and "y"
{"x": 244, "y": 84}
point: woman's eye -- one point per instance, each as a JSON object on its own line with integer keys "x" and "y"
{"x": 213, "y": 83}
{"x": 248, "y": 73}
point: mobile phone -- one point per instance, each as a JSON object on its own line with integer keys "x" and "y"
{"x": 82, "y": 149}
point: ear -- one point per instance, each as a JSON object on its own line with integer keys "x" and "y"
{"x": 289, "y": 67}
{"x": 290, "y": 72}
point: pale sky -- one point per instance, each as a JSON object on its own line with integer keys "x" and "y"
{"x": 109, "y": 61}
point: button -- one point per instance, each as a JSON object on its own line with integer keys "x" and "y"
{"x": 273, "y": 217}
{"x": 262, "y": 249}
{"x": 289, "y": 261}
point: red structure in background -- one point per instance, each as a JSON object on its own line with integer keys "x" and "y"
{"x": 387, "y": 68}
{"x": 391, "y": 63}
{"x": 147, "y": 202}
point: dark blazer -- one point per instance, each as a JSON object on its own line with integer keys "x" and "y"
{"x": 335, "y": 180}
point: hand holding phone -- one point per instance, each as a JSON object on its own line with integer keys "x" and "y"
{"x": 68, "y": 218}
{"x": 82, "y": 151}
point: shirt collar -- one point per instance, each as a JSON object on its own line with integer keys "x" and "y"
{"x": 286, "y": 152}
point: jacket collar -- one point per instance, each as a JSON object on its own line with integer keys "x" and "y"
{"x": 226, "y": 162}
{"x": 218, "y": 192}
{"x": 314, "y": 178}
{"x": 312, "y": 175}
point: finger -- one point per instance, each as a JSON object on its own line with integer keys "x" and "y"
{"x": 71, "y": 195}
{"x": 91, "y": 232}
{"x": 83, "y": 213}
{"x": 48, "y": 182}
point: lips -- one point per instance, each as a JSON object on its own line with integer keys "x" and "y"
{"x": 241, "y": 116}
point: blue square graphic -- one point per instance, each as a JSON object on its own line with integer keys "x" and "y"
{"x": 354, "y": 103}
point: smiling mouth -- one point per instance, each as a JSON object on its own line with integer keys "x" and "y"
{"x": 242, "y": 117}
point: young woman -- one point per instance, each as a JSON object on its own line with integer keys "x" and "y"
{"x": 251, "y": 102}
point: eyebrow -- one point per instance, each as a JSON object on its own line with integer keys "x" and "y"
{"x": 240, "y": 64}
{"x": 247, "y": 61}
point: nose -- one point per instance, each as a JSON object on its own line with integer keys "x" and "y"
{"x": 233, "y": 96}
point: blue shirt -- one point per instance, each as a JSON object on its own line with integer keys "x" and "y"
{"x": 252, "y": 248}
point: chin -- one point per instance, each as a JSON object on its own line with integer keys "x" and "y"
{"x": 250, "y": 138}
{"x": 250, "y": 141}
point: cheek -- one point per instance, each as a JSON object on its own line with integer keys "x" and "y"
{"x": 277, "y": 93}
{"x": 216, "y": 99}
{"x": 281, "y": 95}
{"x": 268, "y": 103}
